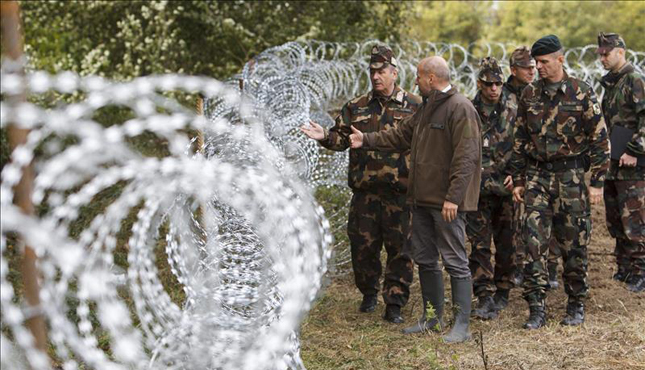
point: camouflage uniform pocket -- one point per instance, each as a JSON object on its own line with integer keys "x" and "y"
{"x": 569, "y": 123}
{"x": 574, "y": 195}
{"x": 362, "y": 123}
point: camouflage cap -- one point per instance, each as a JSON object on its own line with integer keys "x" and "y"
{"x": 382, "y": 56}
{"x": 521, "y": 57}
{"x": 490, "y": 71}
{"x": 608, "y": 41}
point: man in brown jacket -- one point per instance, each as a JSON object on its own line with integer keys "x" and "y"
{"x": 445, "y": 175}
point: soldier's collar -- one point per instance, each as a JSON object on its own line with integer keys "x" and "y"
{"x": 563, "y": 84}
{"x": 397, "y": 95}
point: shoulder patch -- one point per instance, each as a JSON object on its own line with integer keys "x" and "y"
{"x": 596, "y": 108}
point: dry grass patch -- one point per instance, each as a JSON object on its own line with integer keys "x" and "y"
{"x": 337, "y": 336}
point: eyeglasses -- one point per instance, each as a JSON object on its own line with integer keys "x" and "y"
{"x": 490, "y": 84}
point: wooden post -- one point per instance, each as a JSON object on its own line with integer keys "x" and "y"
{"x": 12, "y": 40}
{"x": 200, "y": 133}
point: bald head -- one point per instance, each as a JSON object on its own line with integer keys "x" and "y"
{"x": 437, "y": 66}
{"x": 432, "y": 74}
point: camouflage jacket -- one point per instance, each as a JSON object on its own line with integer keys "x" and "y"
{"x": 565, "y": 125}
{"x": 624, "y": 105}
{"x": 371, "y": 170}
{"x": 513, "y": 89}
{"x": 497, "y": 142}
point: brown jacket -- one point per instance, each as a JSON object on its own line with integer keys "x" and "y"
{"x": 445, "y": 144}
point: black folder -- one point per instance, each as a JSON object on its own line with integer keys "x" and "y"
{"x": 620, "y": 136}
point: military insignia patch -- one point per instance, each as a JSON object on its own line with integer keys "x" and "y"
{"x": 596, "y": 108}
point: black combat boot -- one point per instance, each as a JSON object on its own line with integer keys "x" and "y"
{"x": 537, "y": 317}
{"x": 369, "y": 303}
{"x": 462, "y": 292}
{"x": 432, "y": 293}
{"x": 485, "y": 309}
{"x": 636, "y": 283}
{"x": 501, "y": 298}
{"x": 552, "y": 268}
{"x": 575, "y": 314}
{"x": 393, "y": 314}
{"x": 621, "y": 275}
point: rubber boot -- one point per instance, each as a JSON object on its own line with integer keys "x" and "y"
{"x": 462, "y": 292}
{"x": 432, "y": 293}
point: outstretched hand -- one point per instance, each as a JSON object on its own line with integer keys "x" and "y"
{"x": 313, "y": 131}
{"x": 356, "y": 138}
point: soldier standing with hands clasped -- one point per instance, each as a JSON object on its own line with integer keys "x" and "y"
{"x": 560, "y": 133}
{"x": 624, "y": 108}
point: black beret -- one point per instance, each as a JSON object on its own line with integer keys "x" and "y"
{"x": 546, "y": 45}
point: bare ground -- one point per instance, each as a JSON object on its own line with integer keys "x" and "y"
{"x": 337, "y": 336}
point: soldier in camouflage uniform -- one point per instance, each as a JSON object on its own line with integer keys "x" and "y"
{"x": 494, "y": 216}
{"x": 559, "y": 134}
{"x": 522, "y": 67}
{"x": 378, "y": 213}
{"x": 624, "y": 105}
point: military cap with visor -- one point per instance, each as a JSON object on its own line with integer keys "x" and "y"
{"x": 490, "y": 71}
{"x": 608, "y": 41}
{"x": 521, "y": 57}
{"x": 382, "y": 56}
{"x": 546, "y": 45}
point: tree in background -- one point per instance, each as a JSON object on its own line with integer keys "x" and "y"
{"x": 577, "y": 23}
{"x": 460, "y": 22}
{"x": 124, "y": 39}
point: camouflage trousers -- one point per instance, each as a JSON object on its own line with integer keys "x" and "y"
{"x": 493, "y": 221}
{"x": 625, "y": 213}
{"x": 376, "y": 220}
{"x": 518, "y": 240}
{"x": 557, "y": 204}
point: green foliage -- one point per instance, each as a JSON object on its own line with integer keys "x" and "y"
{"x": 459, "y": 22}
{"x": 124, "y": 39}
{"x": 577, "y": 23}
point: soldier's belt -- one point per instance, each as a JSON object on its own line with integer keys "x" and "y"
{"x": 561, "y": 164}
